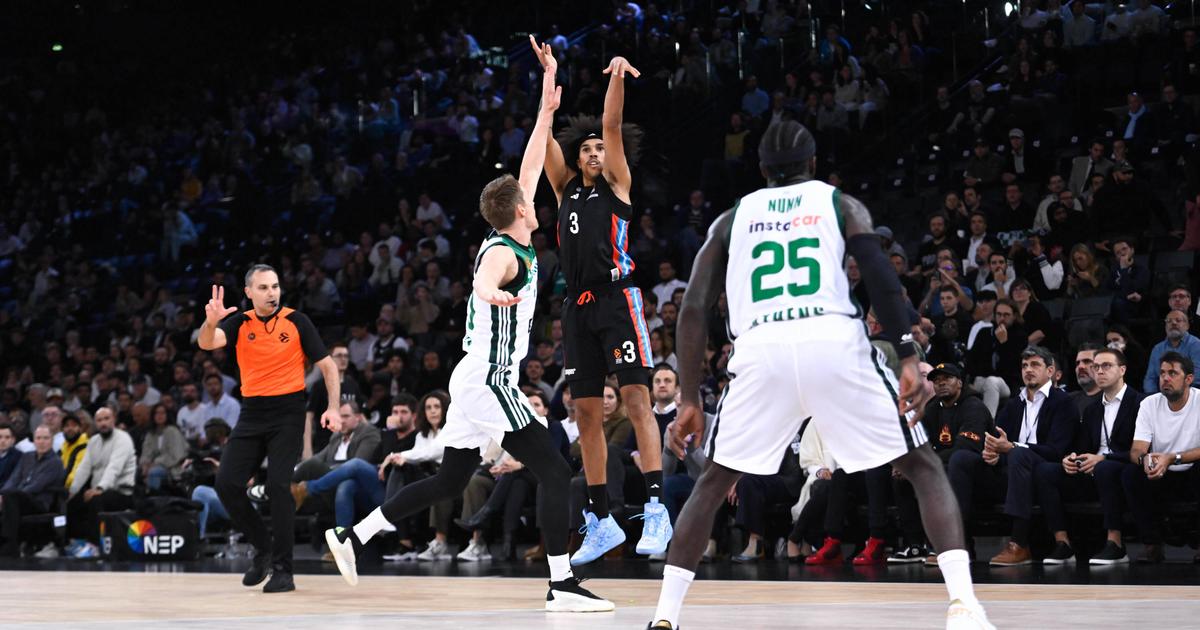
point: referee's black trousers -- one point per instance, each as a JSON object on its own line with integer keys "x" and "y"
{"x": 271, "y": 427}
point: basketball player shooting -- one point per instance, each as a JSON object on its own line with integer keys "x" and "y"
{"x": 801, "y": 344}
{"x": 603, "y": 328}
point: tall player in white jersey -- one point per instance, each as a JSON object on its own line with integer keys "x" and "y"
{"x": 800, "y": 349}
{"x": 485, "y": 404}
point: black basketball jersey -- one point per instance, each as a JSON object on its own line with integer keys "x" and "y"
{"x": 593, "y": 235}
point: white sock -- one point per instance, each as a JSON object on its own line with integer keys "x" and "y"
{"x": 674, "y": 588}
{"x": 371, "y": 525}
{"x": 956, "y": 571}
{"x": 560, "y": 567}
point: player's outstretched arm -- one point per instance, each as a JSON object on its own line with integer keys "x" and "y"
{"x": 691, "y": 331}
{"x": 887, "y": 299}
{"x": 498, "y": 268}
{"x": 616, "y": 167}
{"x": 535, "y": 150}
{"x": 557, "y": 171}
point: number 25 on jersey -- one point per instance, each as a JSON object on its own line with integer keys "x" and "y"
{"x": 777, "y": 259}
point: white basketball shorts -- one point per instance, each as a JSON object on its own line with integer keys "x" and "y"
{"x": 484, "y": 405}
{"x": 823, "y": 367}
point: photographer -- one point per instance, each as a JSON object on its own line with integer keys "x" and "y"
{"x": 200, "y": 472}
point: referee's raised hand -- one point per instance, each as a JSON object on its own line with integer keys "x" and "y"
{"x": 215, "y": 310}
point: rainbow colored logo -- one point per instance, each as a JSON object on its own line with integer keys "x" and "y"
{"x": 137, "y": 532}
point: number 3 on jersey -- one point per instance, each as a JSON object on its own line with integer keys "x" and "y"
{"x": 775, "y": 252}
{"x": 574, "y": 219}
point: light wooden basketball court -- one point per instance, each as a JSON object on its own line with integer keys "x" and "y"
{"x": 205, "y": 600}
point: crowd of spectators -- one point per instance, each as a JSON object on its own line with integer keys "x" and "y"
{"x": 1021, "y": 213}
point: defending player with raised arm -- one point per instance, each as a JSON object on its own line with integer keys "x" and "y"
{"x": 485, "y": 404}
{"x": 800, "y": 349}
{"x": 499, "y": 264}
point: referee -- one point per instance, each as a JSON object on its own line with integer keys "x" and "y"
{"x": 270, "y": 344}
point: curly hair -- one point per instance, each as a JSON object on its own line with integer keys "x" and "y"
{"x": 580, "y": 128}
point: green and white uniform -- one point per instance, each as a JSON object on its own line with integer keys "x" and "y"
{"x": 484, "y": 400}
{"x": 800, "y": 348}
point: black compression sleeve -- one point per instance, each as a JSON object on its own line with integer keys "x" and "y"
{"x": 883, "y": 286}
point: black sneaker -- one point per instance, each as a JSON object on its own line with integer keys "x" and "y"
{"x": 909, "y": 555}
{"x": 1111, "y": 554}
{"x": 661, "y": 625}
{"x": 1062, "y": 554}
{"x": 568, "y": 596}
{"x": 280, "y": 582}
{"x": 259, "y": 570}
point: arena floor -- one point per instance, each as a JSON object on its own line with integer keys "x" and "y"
{"x": 204, "y": 600}
{"x": 497, "y": 595}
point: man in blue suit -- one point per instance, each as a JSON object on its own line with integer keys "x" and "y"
{"x": 1036, "y": 426}
{"x": 1093, "y": 469}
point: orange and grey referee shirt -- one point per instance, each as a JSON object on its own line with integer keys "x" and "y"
{"x": 271, "y": 351}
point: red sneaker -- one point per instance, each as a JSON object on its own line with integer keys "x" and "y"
{"x": 830, "y": 553}
{"x": 872, "y": 554}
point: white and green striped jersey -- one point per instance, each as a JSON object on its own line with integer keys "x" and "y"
{"x": 500, "y": 334}
{"x": 786, "y": 253}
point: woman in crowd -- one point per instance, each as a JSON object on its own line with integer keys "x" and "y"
{"x": 1086, "y": 275}
{"x": 1038, "y": 324}
{"x": 422, "y": 460}
{"x": 163, "y": 450}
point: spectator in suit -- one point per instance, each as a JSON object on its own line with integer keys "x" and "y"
{"x": 1041, "y": 423}
{"x": 346, "y": 467}
{"x": 1086, "y": 166}
{"x": 1178, "y": 340}
{"x": 1085, "y": 378}
{"x": 955, "y": 420}
{"x": 29, "y": 490}
{"x": 9, "y": 455}
{"x": 1094, "y": 467}
{"x": 1166, "y": 445}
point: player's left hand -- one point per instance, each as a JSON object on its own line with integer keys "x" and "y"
{"x": 688, "y": 426}
{"x": 619, "y": 66}
{"x": 915, "y": 391}
{"x": 545, "y": 55}
{"x": 499, "y": 298}
{"x": 332, "y": 420}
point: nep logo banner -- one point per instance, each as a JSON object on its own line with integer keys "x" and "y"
{"x": 144, "y": 539}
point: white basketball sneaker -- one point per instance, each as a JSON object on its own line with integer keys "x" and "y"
{"x": 960, "y": 616}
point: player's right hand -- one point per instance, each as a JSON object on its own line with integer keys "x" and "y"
{"x": 215, "y": 310}
{"x": 688, "y": 426}
{"x": 914, "y": 392}
{"x": 619, "y": 66}
{"x": 498, "y": 297}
